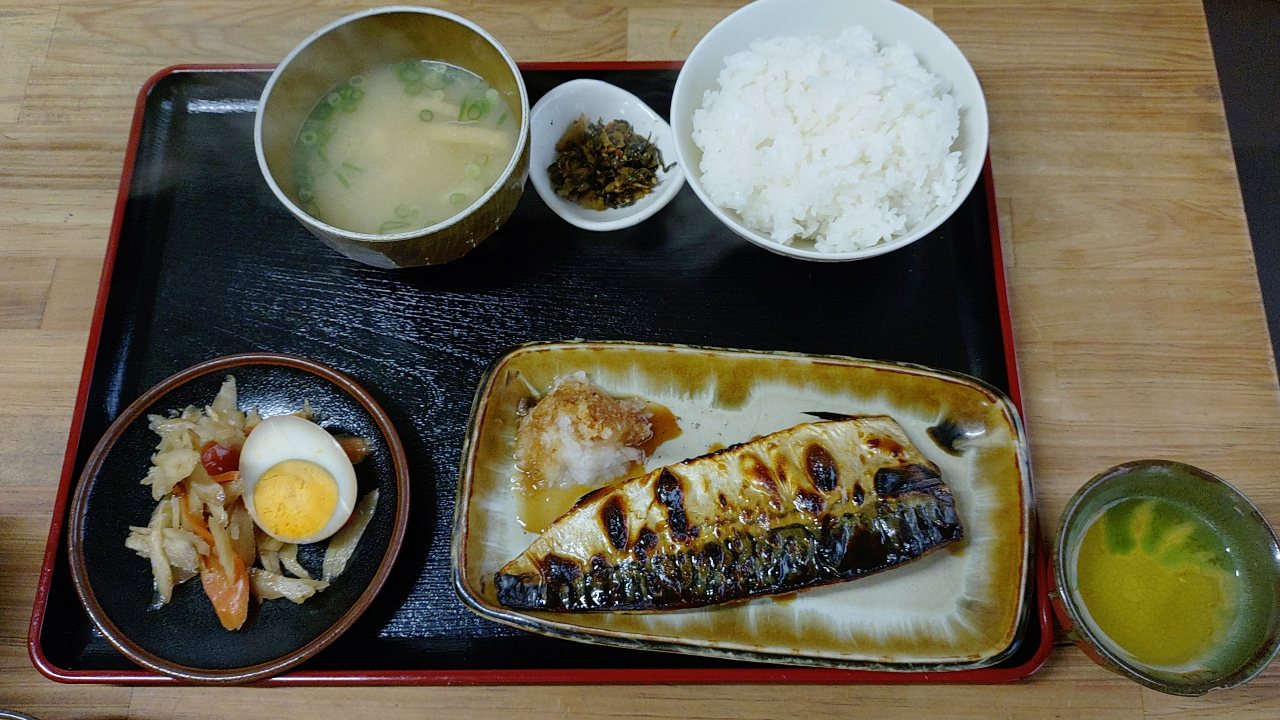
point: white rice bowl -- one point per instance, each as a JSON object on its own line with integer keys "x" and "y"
{"x": 890, "y": 24}
{"x": 839, "y": 141}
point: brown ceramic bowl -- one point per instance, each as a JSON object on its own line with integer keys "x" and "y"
{"x": 184, "y": 638}
{"x": 356, "y": 44}
{"x": 1250, "y": 549}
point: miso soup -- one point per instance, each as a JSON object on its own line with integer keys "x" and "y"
{"x": 1159, "y": 582}
{"x": 402, "y": 146}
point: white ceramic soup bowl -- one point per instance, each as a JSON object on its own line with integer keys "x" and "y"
{"x": 889, "y": 23}
{"x": 356, "y": 44}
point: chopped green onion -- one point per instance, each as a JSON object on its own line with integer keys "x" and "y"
{"x": 482, "y": 159}
{"x": 414, "y": 88}
{"x": 309, "y": 137}
{"x": 342, "y": 179}
{"x": 349, "y": 106}
{"x": 472, "y": 109}
{"x": 502, "y": 118}
{"x": 392, "y": 226}
{"x": 491, "y": 94}
{"x": 306, "y": 194}
{"x": 426, "y": 115}
{"x": 333, "y": 98}
{"x": 352, "y": 166}
{"x": 322, "y": 112}
{"x": 402, "y": 211}
{"x": 437, "y": 95}
{"x": 356, "y": 80}
{"x": 472, "y": 171}
{"x": 409, "y": 74}
{"x": 457, "y": 198}
{"x": 316, "y": 165}
{"x": 357, "y": 94}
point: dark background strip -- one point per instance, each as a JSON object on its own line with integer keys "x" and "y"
{"x": 1246, "y": 45}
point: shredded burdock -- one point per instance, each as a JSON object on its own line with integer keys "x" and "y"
{"x": 605, "y": 165}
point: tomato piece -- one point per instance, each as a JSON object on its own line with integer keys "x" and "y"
{"x": 217, "y": 459}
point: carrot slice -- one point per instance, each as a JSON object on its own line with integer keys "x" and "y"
{"x": 196, "y": 521}
{"x": 226, "y": 477}
{"x": 229, "y": 592}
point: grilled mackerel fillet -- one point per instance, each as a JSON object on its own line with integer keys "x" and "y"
{"x": 817, "y": 503}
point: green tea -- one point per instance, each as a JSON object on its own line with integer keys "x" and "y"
{"x": 401, "y": 147}
{"x": 1158, "y": 581}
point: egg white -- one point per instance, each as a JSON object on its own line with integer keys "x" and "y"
{"x": 288, "y": 437}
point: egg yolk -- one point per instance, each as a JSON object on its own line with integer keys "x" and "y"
{"x": 295, "y": 498}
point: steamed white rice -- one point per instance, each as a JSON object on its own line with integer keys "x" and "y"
{"x": 836, "y": 140}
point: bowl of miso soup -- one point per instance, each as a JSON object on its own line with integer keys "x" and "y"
{"x": 399, "y": 136}
{"x": 1168, "y": 575}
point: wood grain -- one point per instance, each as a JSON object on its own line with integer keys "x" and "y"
{"x": 1136, "y": 310}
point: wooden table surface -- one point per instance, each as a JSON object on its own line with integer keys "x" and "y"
{"x": 1136, "y": 310}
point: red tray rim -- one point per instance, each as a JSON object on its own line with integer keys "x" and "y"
{"x": 1041, "y": 610}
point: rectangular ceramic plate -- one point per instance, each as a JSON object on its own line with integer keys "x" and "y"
{"x": 956, "y": 608}
{"x": 193, "y": 205}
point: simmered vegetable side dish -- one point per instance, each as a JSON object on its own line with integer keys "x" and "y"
{"x": 605, "y": 165}
{"x": 202, "y": 524}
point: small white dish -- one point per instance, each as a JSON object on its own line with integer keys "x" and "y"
{"x": 563, "y": 105}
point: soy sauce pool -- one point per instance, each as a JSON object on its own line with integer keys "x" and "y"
{"x": 1159, "y": 582}
{"x": 401, "y": 147}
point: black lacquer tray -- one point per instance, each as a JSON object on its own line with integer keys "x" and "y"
{"x": 204, "y": 262}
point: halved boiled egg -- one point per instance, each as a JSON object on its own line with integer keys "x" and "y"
{"x": 299, "y": 485}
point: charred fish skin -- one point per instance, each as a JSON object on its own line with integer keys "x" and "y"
{"x": 745, "y": 564}
{"x": 801, "y": 518}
